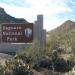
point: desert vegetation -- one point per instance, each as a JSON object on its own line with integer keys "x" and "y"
{"x": 36, "y": 58}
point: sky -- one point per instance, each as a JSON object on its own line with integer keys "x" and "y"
{"x": 55, "y": 12}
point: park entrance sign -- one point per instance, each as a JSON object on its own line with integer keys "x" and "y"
{"x": 17, "y": 32}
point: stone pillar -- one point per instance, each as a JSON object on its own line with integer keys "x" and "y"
{"x": 39, "y": 32}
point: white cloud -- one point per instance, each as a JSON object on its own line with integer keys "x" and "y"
{"x": 48, "y": 8}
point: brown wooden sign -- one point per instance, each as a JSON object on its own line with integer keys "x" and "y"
{"x": 17, "y": 33}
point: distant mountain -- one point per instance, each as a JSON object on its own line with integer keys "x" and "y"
{"x": 65, "y": 27}
{"x": 5, "y": 18}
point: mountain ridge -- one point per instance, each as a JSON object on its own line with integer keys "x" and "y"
{"x": 65, "y": 27}
{"x": 6, "y": 18}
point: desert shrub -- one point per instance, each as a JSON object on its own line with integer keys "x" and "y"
{"x": 61, "y": 65}
{"x": 1, "y": 70}
{"x": 32, "y": 53}
{"x": 58, "y": 65}
{"x": 43, "y": 63}
{"x": 21, "y": 68}
{"x": 17, "y": 67}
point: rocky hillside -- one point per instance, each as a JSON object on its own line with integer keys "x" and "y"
{"x": 63, "y": 37}
{"x": 6, "y": 18}
{"x": 65, "y": 27}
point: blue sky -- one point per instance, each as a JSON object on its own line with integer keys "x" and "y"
{"x": 55, "y": 11}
